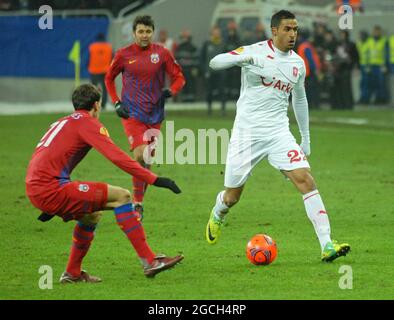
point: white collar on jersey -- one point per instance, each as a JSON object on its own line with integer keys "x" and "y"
{"x": 276, "y": 50}
{"x": 283, "y": 53}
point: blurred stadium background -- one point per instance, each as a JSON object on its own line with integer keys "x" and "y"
{"x": 37, "y": 75}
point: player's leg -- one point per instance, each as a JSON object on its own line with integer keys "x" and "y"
{"x": 142, "y": 139}
{"x": 242, "y": 156}
{"x": 89, "y": 197}
{"x": 119, "y": 200}
{"x": 224, "y": 201}
{"x": 317, "y": 213}
{"x": 82, "y": 238}
{"x": 139, "y": 186}
{"x": 315, "y": 210}
{"x": 128, "y": 219}
{"x": 287, "y": 156}
{"x": 81, "y": 201}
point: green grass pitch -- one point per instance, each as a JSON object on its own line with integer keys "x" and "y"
{"x": 352, "y": 165}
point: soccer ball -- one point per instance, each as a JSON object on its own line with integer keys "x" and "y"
{"x": 261, "y": 250}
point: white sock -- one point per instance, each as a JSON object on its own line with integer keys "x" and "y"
{"x": 317, "y": 214}
{"x": 220, "y": 209}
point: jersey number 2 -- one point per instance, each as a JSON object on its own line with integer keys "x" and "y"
{"x": 294, "y": 156}
{"x": 51, "y": 133}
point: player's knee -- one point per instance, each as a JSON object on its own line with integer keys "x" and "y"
{"x": 231, "y": 199}
{"x": 124, "y": 196}
{"x": 95, "y": 217}
{"x": 91, "y": 219}
{"x": 305, "y": 182}
{"x": 139, "y": 156}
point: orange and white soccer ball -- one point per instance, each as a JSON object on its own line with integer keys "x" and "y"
{"x": 261, "y": 250}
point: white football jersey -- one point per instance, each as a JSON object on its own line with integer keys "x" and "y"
{"x": 264, "y": 95}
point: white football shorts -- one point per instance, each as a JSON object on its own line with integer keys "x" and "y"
{"x": 244, "y": 153}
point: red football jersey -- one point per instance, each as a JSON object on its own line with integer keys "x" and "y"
{"x": 143, "y": 78}
{"x": 66, "y": 143}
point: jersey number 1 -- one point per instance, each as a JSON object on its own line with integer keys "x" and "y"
{"x": 51, "y": 133}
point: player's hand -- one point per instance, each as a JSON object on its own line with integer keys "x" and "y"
{"x": 121, "y": 110}
{"x": 306, "y": 146}
{"x": 167, "y": 183}
{"x": 254, "y": 60}
{"x": 166, "y": 93}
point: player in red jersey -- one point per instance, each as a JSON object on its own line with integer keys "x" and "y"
{"x": 143, "y": 65}
{"x": 49, "y": 187}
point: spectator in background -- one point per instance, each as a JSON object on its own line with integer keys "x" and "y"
{"x": 166, "y": 41}
{"x": 378, "y": 66}
{"x": 187, "y": 56}
{"x": 345, "y": 59}
{"x": 391, "y": 66}
{"x": 214, "y": 80}
{"x": 257, "y": 35}
{"x": 318, "y": 35}
{"x": 233, "y": 75}
{"x": 364, "y": 52}
{"x": 100, "y": 57}
{"x": 8, "y": 5}
{"x": 260, "y": 34}
{"x": 328, "y": 52}
{"x": 170, "y": 44}
{"x": 313, "y": 65}
{"x": 330, "y": 42}
{"x": 247, "y": 37}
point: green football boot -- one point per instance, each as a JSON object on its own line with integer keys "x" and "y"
{"x": 333, "y": 250}
{"x": 213, "y": 229}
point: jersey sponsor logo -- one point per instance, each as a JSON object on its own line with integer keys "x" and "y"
{"x": 76, "y": 116}
{"x": 295, "y": 71}
{"x": 83, "y": 188}
{"x": 280, "y": 85}
{"x": 271, "y": 57}
{"x": 104, "y": 131}
{"x": 132, "y": 61}
{"x": 154, "y": 58}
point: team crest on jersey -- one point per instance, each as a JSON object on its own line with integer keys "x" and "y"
{"x": 295, "y": 71}
{"x": 83, "y": 188}
{"x": 154, "y": 58}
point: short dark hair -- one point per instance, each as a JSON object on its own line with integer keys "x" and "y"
{"x": 279, "y": 16}
{"x": 145, "y": 20}
{"x": 100, "y": 37}
{"x": 85, "y": 96}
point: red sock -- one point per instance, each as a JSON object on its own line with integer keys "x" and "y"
{"x": 139, "y": 188}
{"x": 131, "y": 226}
{"x": 82, "y": 238}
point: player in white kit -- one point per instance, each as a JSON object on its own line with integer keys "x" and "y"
{"x": 271, "y": 71}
